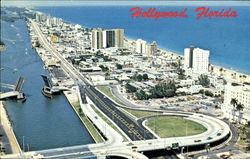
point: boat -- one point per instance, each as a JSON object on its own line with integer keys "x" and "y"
{"x": 49, "y": 92}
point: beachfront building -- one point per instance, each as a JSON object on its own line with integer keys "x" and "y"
{"x": 97, "y": 39}
{"x": 40, "y": 17}
{"x": 151, "y": 48}
{"x": 141, "y": 46}
{"x": 146, "y": 49}
{"x": 241, "y": 93}
{"x": 113, "y": 38}
{"x": 196, "y": 61}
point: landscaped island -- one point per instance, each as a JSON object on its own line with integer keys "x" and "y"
{"x": 174, "y": 127}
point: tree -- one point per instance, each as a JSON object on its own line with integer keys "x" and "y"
{"x": 142, "y": 95}
{"x": 118, "y": 66}
{"x": 204, "y": 81}
{"x": 248, "y": 147}
{"x": 163, "y": 90}
{"x": 145, "y": 77}
{"x": 104, "y": 69}
{"x": 130, "y": 89}
{"x": 209, "y": 93}
{"x": 234, "y": 102}
{"x": 80, "y": 111}
{"x": 139, "y": 78}
{"x": 201, "y": 91}
{"x": 239, "y": 108}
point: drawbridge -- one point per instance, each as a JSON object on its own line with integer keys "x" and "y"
{"x": 16, "y": 90}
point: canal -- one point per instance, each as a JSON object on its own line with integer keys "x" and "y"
{"x": 43, "y": 123}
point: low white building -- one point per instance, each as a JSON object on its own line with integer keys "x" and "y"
{"x": 242, "y": 94}
{"x": 187, "y": 82}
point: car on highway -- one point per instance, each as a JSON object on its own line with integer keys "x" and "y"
{"x": 197, "y": 140}
{"x": 134, "y": 147}
{"x": 130, "y": 144}
{"x": 209, "y": 138}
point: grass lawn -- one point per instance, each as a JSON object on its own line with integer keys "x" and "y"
{"x": 107, "y": 90}
{"x": 174, "y": 126}
{"x": 140, "y": 114}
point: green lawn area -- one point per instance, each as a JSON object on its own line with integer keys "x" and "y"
{"x": 89, "y": 125}
{"x": 174, "y": 126}
{"x": 140, "y": 114}
{"x": 107, "y": 91}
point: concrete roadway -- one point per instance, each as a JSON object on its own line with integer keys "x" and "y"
{"x": 109, "y": 107}
{"x": 134, "y": 131}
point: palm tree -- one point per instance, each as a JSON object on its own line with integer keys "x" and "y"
{"x": 239, "y": 108}
{"x": 234, "y": 102}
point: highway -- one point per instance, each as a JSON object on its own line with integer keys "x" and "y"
{"x": 132, "y": 130}
{"x": 142, "y": 140}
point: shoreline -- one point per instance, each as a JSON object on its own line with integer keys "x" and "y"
{"x": 7, "y": 128}
{"x": 227, "y": 73}
{"x": 168, "y": 51}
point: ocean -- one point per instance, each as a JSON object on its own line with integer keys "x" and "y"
{"x": 228, "y": 39}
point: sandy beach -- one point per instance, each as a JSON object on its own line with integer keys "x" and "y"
{"x": 228, "y": 74}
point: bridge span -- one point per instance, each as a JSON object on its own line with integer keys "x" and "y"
{"x": 217, "y": 131}
{"x": 16, "y": 90}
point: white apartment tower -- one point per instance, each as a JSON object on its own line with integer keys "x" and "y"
{"x": 113, "y": 38}
{"x": 151, "y": 48}
{"x": 141, "y": 46}
{"x": 196, "y": 61}
{"x": 97, "y": 39}
{"x": 242, "y": 94}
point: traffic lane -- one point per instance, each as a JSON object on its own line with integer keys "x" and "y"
{"x": 110, "y": 103}
{"x": 125, "y": 129}
{"x": 140, "y": 130}
{"x": 94, "y": 90}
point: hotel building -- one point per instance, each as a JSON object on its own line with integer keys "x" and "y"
{"x": 97, "y": 39}
{"x": 113, "y": 38}
{"x": 151, "y": 48}
{"x": 146, "y": 49}
{"x": 141, "y": 46}
{"x": 196, "y": 61}
{"x": 242, "y": 94}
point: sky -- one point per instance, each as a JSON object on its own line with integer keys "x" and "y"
{"x": 33, "y": 3}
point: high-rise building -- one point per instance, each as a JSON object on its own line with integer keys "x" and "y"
{"x": 40, "y": 17}
{"x": 241, "y": 93}
{"x": 97, "y": 39}
{"x": 151, "y": 48}
{"x": 108, "y": 38}
{"x": 113, "y": 38}
{"x": 119, "y": 37}
{"x": 196, "y": 61}
{"x": 141, "y": 46}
